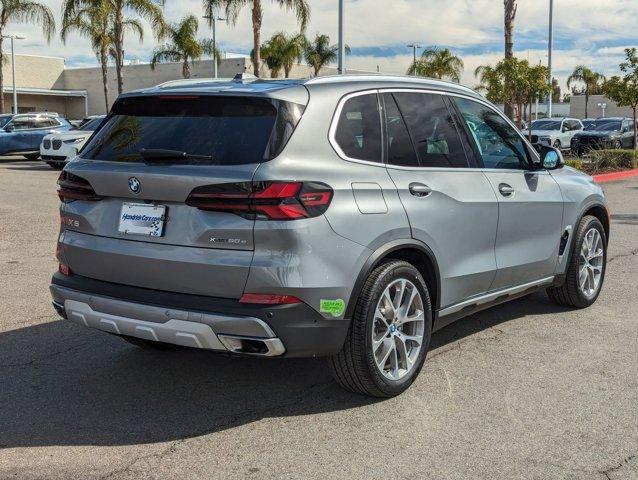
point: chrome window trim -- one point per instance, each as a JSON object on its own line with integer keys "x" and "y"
{"x": 378, "y": 91}
{"x": 335, "y": 122}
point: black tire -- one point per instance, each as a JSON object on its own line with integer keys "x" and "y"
{"x": 354, "y": 366}
{"x": 55, "y": 165}
{"x": 569, "y": 294}
{"x": 147, "y": 344}
{"x": 31, "y": 156}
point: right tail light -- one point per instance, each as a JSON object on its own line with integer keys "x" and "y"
{"x": 265, "y": 200}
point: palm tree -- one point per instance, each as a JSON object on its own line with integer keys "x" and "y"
{"x": 438, "y": 63}
{"x": 184, "y": 46}
{"x": 232, "y": 8}
{"x": 146, "y": 9}
{"x": 96, "y": 23}
{"x": 590, "y": 79}
{"x": 271, "y": 54}
{"x": 509, "y": 15}
{"x": 319, "y": 53}
{"x": 23, "y": 11}
{"x": 293, "y": 49}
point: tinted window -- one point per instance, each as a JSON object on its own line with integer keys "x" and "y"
{"x": 45, "y": 122}
{"x": 432, "y": 129}
{"x": 498, "y": 143}
{"x": 358, "y": 132}
{"x": 400, "y": 148}
{"x": 546, "y": 125}
{"x": 231, "y": 130}
{"x": 22, "y": 123}
{"x": 91, "y": 125}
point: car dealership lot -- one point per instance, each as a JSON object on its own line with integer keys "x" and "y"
{"x": 525, "y": 390}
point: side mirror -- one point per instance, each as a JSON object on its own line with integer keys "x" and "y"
{"x": 551, "y": 158}
{"x": 565, "y": 128}
{"x": 9, "y": 128}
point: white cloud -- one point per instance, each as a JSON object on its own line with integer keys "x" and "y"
{"x": 587, "y": 31}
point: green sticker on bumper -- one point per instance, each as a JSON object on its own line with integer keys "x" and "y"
{"x": 333, "y": 307}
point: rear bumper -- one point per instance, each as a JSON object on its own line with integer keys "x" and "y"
{"x": 197, "y": 321}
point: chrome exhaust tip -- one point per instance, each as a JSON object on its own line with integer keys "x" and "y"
{"x": 263, "y": 347}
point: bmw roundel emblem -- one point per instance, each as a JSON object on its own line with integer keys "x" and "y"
{"x": 134, "y": 185}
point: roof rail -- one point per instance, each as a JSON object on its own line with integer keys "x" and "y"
{"x": 385, "y": 77}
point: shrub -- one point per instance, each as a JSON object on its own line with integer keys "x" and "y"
{"x": 574, "y": 163}
{"x": 611, "y": 160}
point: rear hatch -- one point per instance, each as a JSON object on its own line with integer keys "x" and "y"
{"x": 130, "y": 211}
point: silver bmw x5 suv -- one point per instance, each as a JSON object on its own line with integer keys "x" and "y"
{"x": 347, "y": 217}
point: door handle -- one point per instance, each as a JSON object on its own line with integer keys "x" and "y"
{"x": 419, "y": 190}
{"x": 505, "y": 189}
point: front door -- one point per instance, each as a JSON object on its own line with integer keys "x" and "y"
{"x": 530, "y": 212}
{"x": 450, "y": 204}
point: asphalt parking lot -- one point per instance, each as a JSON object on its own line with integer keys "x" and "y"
{"x": 525, "y": 390}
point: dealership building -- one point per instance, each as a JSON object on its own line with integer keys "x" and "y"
{"x": 47, "y": 84}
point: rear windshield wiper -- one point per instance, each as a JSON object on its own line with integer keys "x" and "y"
{"x": 163, "y": 155}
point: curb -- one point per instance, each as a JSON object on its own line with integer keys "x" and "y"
{"x": 615, "y": 176}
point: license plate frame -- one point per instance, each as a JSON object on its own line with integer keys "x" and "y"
{"x": 142, "y": 219}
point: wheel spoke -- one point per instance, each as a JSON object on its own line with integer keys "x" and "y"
{"x": 398, "y": 297}
{"x": 412, "y": 338}
{"x": 403, "y": 356}
{"x": 582, "y": 277}
{"x": 394, "y": 362}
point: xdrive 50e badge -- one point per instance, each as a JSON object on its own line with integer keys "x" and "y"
{"x": 134, "y": 185}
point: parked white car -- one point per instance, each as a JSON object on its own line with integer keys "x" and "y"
{"x": 57, "y": 149}
{"x": 555, "y": 132}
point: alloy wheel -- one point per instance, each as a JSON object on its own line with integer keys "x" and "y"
{"x": 591, "y": 263}
{"x": 398, "y": 329}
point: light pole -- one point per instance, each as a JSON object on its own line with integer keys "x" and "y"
{"x": 603, "y": 106}
{"x": 342, "y": 43}
{"x": 13, "y": 71}
{"x": 414, "y": 46}
{"x": 212, "y": 19}
{"x": 549, "y": 56}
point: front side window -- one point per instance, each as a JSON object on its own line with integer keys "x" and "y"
{"x": 497, "y": 142}
{"x": 21, "y": 123}
{"x": 358, "y": 131}
{"x": 432, "y": 129}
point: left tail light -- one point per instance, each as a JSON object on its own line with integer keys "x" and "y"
{"x": 264, "y": 200}
{"x": 72, "y": 187}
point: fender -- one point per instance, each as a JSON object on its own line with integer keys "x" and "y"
{"x": 378, "y": 255}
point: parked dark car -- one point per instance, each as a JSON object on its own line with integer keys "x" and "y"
{"x": 604, "y": 133}
{"x": 22, "y": 134}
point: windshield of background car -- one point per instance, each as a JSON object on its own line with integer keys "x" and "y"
{"x": 230, "y": 130}
{"x": 601, "y": 126}
{"x": 545, "y": 125}
{"x": 91, "y": 125}
{"x": 4, "y": 119}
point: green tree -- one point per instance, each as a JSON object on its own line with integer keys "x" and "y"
{"x": 591, "y": 81}
{"x": 320, "y": 53}
{"x": 145, "y": 9}
{"x": 438, "y": 63}
{"x": 184, "y": 46}
{"x": 23, "y": 11}
{"x": 95, "y": 22}
{"x": 514, "y": 81}
{"x": 232, "y": 8}
{"x": 624, "y": 90}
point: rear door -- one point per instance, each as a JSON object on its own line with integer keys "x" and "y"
{"x": 450, "y": 204}
{"x": 530, "y": 202}
{"x": 143, "y": 230}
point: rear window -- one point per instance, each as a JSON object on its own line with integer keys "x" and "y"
{"x": 229, "y": 130}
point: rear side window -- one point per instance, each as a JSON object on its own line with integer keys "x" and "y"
{"x": 358, "y": 131}
{"x": 432, "y": 129}
{"x": 229, "y": 130}
{"x": 400, "y": 148}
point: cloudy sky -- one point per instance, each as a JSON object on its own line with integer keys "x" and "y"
{"x": 592, "y": 32}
